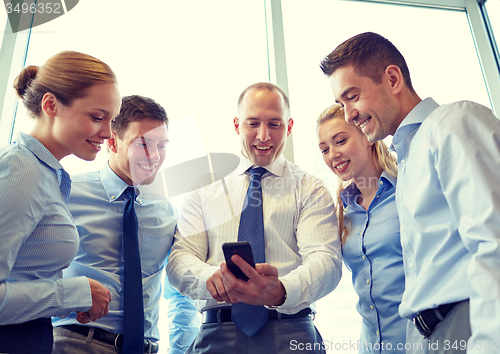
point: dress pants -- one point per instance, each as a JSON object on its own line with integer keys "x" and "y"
{"x": 69, "y": 342}
{"x": 446, "y": 337}
{"x": 276, "y": 336}
{"x": 26, "y": 338}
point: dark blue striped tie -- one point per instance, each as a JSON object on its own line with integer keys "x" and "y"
{"x": 133, "y": 306}
{"x": 250, "y": 318}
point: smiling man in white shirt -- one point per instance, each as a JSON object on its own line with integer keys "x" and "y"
{"x": 302, "y": 248}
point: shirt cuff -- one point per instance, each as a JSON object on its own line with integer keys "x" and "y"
{"x": 203, "y": 277}
{"x": 76, "y": 294}
{"x": 291, "y": 298}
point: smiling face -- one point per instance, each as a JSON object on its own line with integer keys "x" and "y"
{"x": 346, "y": 151}
{"x": 81, "y": 128}
{"x": 137, "y": 156}
{"x": 263, "y": 126}
{"x": 370, "y": 106}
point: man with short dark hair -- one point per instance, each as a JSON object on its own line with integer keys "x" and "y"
{"x": 294, "y": 240}
{"x": 98, "y": 202}
{"x": 447, "y": 194}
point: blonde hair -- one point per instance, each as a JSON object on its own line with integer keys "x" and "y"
{"x": 384, "y": 161}
{"x": 68, "y": 75}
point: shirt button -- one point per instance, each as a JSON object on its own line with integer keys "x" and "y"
{"x": 378, "y": 196}
{"x": 371, "y": 306}
{"x": 403, "y": 229}
{"x": 363, "y": 257}
{"x": 367, "y": 281}
{"x": 377, "y": 333}
{"x": 403, "y": 161}
{"x": 113, "y": 197}
{"x": 381, "y": 183}
{"x": 411, "y": 265}
{"x": 400, "y": 194}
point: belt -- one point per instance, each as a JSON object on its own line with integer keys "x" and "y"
{"x": 223, "y": 314}
{"x": 427, "y": 320}
{"x": 108, "y": 337}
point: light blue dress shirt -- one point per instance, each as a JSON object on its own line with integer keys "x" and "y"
{"x": 96, "y": 203}
{"x": 448, "y": 197}
{"x": 38, "y": 236}
{"x": 372, "y": 251}
{"x": 184, "y": 320}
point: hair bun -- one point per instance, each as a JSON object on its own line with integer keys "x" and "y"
{"x": 24, "y": 79}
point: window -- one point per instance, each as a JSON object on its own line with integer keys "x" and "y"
{"x": 493, "y": 11}
{"x": 193, "y": 57}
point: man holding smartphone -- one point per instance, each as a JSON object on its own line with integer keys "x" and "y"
{"x": 300, "y": 241}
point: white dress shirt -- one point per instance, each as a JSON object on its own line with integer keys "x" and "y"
{"x": 300, "y": 229}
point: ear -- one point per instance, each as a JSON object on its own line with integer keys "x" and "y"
{"x": 112, "y": 142}
{"x": 49, "y": 104}
{"x": 236, "y": 125}
{"x": 394, "y": 77}
{"x": 289, "y": 128}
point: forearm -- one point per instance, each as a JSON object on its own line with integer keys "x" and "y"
{"x": 187, "y": 270}
{"x": 26, "y": 301}
{"x": 311, "y": 281}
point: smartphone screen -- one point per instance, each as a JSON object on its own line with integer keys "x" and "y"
{"x": 242, "y": 249}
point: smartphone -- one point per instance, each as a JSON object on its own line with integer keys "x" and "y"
{"x": 242, "y": 249}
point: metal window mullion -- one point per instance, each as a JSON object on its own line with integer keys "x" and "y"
{"x": 486, "y": 53}
{"x": 441, "y": 4}
{"x": 277, "y": 56}
{"x": 6, "y": 58}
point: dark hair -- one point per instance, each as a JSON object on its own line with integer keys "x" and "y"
{"x": 134, "y": 109}
{"x": 370, "y": 54}
{"x": 265, "y": 86}
{"x": 67, "y": 75}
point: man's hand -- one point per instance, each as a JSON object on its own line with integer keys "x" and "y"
{"x": 83, "y": 317}
{"x": 262, "y": 288}
{"x": 215, "y": 286}
{"x": 101, "y": 297}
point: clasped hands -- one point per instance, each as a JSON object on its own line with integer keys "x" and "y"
{"x": 263, "y": 286}
{"x": 101, "y": 297}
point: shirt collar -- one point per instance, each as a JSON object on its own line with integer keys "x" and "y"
{"x": 277, "y": 168}
{"x": 113, "y": 185}
{"x": 416, "y": 116}
{"x": 349, "y": 193}
{"x": 386, "y": 176}
{"x": 38, "y": 149}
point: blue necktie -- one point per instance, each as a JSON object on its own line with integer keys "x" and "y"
{"x": 133, "y": 306}
{"x": 250, "y": 318}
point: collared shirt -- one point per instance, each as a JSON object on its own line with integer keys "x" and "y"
{"x": 183, "y": 320}
{"x": 97, "y": 204}
{"x": 448, "y": 199}
{"x": 38, "y": 236}
{"x": 300, "y": 229}
{"x": 372, "y": 251}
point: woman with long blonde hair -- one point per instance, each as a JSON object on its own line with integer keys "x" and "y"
{"x": 368, "y": 228}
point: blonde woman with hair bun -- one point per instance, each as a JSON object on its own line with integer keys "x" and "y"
{"x": 368, "y": 227}
{"x": 73, "y": 97}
